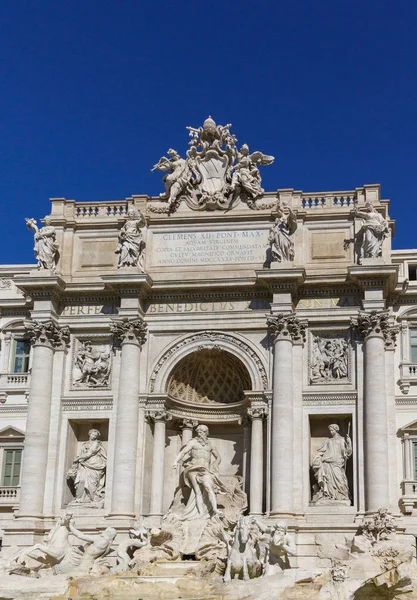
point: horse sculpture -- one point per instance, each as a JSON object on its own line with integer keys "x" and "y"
{"x": 242, "y": 558}
{"x": 51, "y": 552}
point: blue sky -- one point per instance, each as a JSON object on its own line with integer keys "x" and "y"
{"x": 93, "y": 93}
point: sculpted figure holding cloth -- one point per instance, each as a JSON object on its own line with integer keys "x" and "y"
{"x": 329, "y": 468}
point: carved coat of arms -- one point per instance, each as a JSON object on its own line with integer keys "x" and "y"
{"x": 215, "y": 174}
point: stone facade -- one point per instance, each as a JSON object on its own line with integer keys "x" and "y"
{"x": 303, "y": 364}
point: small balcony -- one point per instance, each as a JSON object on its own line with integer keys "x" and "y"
{"x": 12, "y": 381}
{"x": 408, "y": 500}
{"x": 408, "y": 376}
{"x": 9, "y": 496}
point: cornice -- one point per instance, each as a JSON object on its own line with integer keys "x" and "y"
{"x": 39, "y": 285}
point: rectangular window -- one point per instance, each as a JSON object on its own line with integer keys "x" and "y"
{"x": 11, "y": 467}
{"x": 413, "y": 345}
{"x": 21, "y": 356}
{"x": 412, "y": 272}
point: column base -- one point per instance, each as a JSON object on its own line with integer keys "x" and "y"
{"x": 121, "y": 515}
{"x": 38, "y": 516}
{"x": 282, "y": 514}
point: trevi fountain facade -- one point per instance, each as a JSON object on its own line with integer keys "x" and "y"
{"x": 211, "y": 393}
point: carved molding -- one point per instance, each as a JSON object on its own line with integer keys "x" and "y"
{"x": 47, "y": 333}
{"x": 129, "y": 330}
{"x": 287, "y": 327}
{"x": 5, "y": 283}
{"x": 209, "y": 340}
{"x": 320, "y": 399}
{"x": 87, "y": 404}
{"x": 13, "y": 408}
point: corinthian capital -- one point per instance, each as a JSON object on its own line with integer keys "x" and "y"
{"x": 129, "y": 330}
{"x": 47, "y": 333}
{"x": 287, "y": 327}
{"x": 376, "y": 323}
{"x": 159, "y": 415}
{"x": 257, "y": 412}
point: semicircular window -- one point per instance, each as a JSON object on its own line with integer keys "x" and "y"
{"x": 209, "y": 376}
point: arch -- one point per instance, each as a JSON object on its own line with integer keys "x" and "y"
{"x": 206, "y": 340}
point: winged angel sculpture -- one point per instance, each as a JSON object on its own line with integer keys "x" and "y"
{"x": 214, "y": 175}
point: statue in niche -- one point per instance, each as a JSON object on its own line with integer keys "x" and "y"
{"x": 329, "y": 468}
{"x": 177, "y": 180}
{"x": 200, "y": 474}
{"x": 91, "y": 366}
{"x": 246, "y": 177}
{"x": 46, "y": 246}
{"x": 280, "y": 234}
{"x": 329, "y": 359}
{"x": 90, "y": 560}
{"x": 88, "y": 472}
{"x": 131, "y": 245}
{"x": 373, "y": 233}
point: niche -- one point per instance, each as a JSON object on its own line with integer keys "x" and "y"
{"x": 330, "y": 460}
{"x": 86, "y": 478}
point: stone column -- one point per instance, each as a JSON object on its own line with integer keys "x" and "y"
{"x": 187, "y": 426}
{"x": 285, "y": 329}
{"x": 47, "y": 336}
{"x": 159, "y": 418}
{"x": 256, "y": 414}
{"x": 132, "y": 335}
{"x": 374, "y": 327}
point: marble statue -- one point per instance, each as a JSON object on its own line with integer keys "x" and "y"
{"x": 214, "y": 174}
{"x": 91, "y": 366}
{"x": 275, "y": 546}
{"x": 49, "y": 553}
{"x": 90, "y": 559}
{"x": 139, "y": 537}
{"x": 177, "y": 179}
{"x": 329, "y": 468}
{"x": 329, "y": 359}
{"x": 46, "y": 246}
{"x": 88, "y": 472}
{"x": 373, "y": 233}
{"x": 200, "y": 474}
{"x": 242, "y": 559}
{"x": 131, "y": 245}
{"x": 281, "y": 235}
{"x": 246, "y": 177}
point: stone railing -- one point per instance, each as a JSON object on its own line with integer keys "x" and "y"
{"x": 9, "y": 495}
{"x": 329, "y": 201}
{"x": 118, "y": 208}
{"x": 408, "y": 376}
{"x": 14, "y": 380}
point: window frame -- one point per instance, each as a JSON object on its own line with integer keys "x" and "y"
{"x": 12, "y": 474}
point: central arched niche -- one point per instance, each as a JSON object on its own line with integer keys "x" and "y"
{"x": 209, "y": 376}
